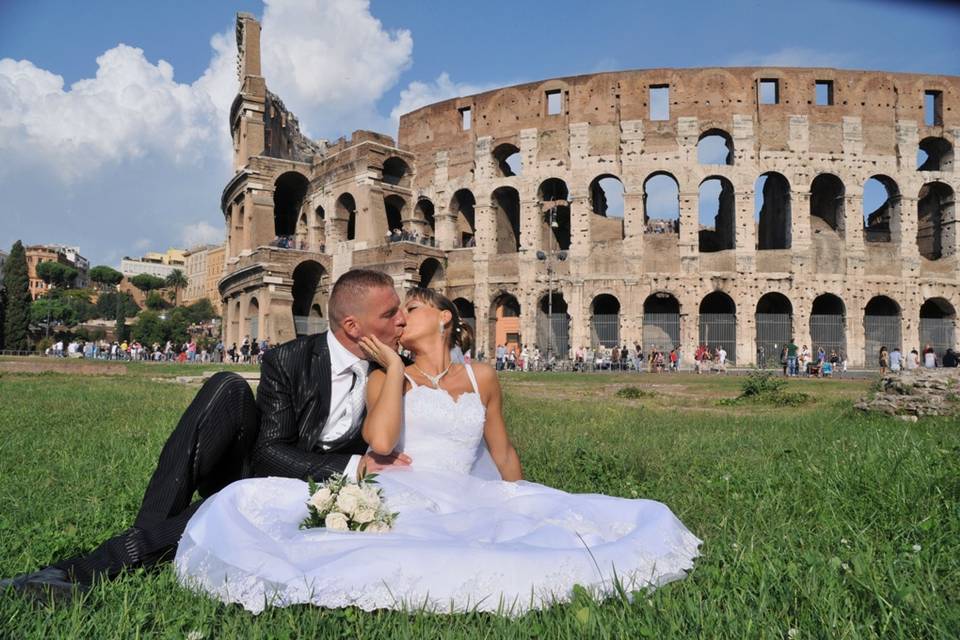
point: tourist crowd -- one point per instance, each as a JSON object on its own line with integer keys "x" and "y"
{"x": 249, "y": 351}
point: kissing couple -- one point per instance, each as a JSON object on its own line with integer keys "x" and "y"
{"x": 470, "y": 534}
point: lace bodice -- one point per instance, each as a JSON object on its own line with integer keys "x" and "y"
{"x": 440, "y": 432}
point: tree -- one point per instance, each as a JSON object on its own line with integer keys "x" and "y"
{"x": 3, "y": 306}
{"x": 201, "y": 311}
{"x": 111, "y": 304}
{"x": 146, "y": 282}
{"x": 16, "y": 283}
{"x": 105, "y": 276}
{"x": 56, "y": 274}
{"x": 155, "y": 301}
{"x": 150, "y": 328}
{"x": 178, "y": 281}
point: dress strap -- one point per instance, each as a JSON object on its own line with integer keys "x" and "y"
{"x": 413, "y": 385}
{"x": 473, "y": 379}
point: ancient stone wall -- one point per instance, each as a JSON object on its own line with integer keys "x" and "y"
{"x": 505, "y": 196}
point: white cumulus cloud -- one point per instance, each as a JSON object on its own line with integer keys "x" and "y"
{"x": 419, "y": 94}
{"x": 792, "y": 57}
{"x": 201, "y": 233}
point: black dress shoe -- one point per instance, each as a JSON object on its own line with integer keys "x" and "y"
{"x": 47, "y": 583}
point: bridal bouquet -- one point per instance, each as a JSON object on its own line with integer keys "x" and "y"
{"x": 340, "y": 504}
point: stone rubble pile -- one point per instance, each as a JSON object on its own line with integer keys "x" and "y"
{"x": 913, "y": 394}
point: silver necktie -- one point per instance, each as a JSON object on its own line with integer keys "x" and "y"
{"x": 358, "y": 392}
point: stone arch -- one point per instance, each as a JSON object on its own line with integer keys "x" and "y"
{"x": 718, "y": 323}
{"x": 553, "y": 325}
{"x": 346, "y": 216}
{"x": 432, "y": 274}
{"x": 467, "y": 311}
{"x": 717, "y": 205}
{"x": 881, "y": 218}
{"x": 554, "y": 200}
{"x": 661, "y": 321}
{"x": 607, "y": 203}
{"x": 507, "y": 160}
{"x": 424, "y": 211}
{"x": 715, "y": 146}
{"x": 934, "y": 154}
{"x": 661, "y": 203}
{"x": 938, "y": 325}
{"x": 827, "y": 204}
{"x": 881, "y": 327}
{"x": 503, "y": 322}
{"x": 605, "y": 320}
{"x": 253, "y": 319}
{"x": 772, "y": 211}
{"x": 936, "y": 220}
{"x": 393, "y": 206}
{"x": 396, "y": 171}
{"x": 774, "y": 327}
{"x": 311, "y": 287}
{"x": 462, "y": 206}
{"x": 828, "y": 325}
{"x": 289, "y": 191}
{"x": 505, "y": 208}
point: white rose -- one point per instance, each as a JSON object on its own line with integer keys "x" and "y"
{"x": 336, "y": 522}
{"x": 322, "y": 499}
{"x": 364, "y": 514}
{"x": 347, "y": 501}
{"x": 377, "y": 527}
{"x": 371, "y": 497}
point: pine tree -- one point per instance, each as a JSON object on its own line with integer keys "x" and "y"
{"x": 16, "y": 283}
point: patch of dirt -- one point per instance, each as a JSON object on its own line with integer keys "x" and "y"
{"x": 60, "y": 366}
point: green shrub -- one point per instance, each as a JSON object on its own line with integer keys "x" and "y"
{"x": 759, "y": 382}
{"x": 633, "y": 393}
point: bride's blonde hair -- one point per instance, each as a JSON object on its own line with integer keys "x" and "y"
{"x": 461, "y": 333}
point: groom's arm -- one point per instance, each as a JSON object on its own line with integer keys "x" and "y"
{"x": 276, "y": 452}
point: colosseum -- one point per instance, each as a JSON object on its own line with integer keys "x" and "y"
{"x": 667, "y": 207}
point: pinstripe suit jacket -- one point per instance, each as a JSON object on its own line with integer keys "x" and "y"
{"x": 294, "y": 400}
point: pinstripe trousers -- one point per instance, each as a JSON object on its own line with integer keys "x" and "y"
{"x": 209, "y": 449}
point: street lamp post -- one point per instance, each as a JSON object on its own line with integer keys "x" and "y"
{"x": 548, "y": 257}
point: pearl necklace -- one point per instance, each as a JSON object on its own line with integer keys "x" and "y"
{"x": 434, "y": 379}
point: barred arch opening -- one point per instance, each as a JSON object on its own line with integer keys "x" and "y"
{"x": 774, "y": 325}
{"x": 605, "y": 321}
{"x": 938, "y": 326}
{"x": 661, "y": 321}
{"x": 881, "y": 327}
{"x": 828, "y": 324}
{"x": 718, "y": 323}
{"x": 553, "y": 325}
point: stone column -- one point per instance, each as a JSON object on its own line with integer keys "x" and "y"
{"x": 800, "y": 231}
{"x": 446, "y": 229}
{"x": 580, "y": 225}
{"x": 531, "y": 219}
{"x": 579, "y": 317}
{"x": 689, "y": 232}
{"x": 746, "y": 339}
{"x": 909, "y": 252}
{"x": 633, "y": 226}
{"x": 745, "y": 245}
{"x": 853, "y": 233}
{"x": 856, "y": 338}
{"x": 486, "y": 225}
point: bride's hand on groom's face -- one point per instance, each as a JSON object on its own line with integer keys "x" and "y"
{"x": 374, "y": 463}
{"x": 384, "y": 355}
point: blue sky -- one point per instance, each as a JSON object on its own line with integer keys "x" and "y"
{"x": 147, "y": 167}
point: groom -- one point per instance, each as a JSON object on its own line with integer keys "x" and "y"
{"x": 305, "y": 422}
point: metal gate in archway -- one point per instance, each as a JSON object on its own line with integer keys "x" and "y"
{"x": 828, "y": 331}
{"x": 553, "y": 333}
{"x": 774, "y": 330}
{"x": 939, "y": 333}
{"x": 879, "y": 331}
{"x": 720, "y": 330}
{"x": 661, "y": 331}
{"x": 605, "y": 329}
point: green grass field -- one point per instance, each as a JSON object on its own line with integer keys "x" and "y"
{"x": 818, "y": 522}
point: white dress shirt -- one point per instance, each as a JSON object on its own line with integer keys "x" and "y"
{"x": 339, "y": 419}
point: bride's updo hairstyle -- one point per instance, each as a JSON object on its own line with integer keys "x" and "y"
{"x": 460, "y": 333}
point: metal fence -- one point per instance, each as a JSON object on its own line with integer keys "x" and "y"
{"x": 605, "y": 329}
{"x": 940, "y": 333}
{"x": 661, "y": 330}
{"x": 879, "y": 331}
{"x": 829, "y": 332}
{"x": 309, "y": 325}
{"x": 554, "y": 332}
{"x": 720, "y": 330}
{"x": 774, "y": 330}
{"x": 254, "y": 323}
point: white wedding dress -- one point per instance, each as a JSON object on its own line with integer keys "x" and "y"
{"x": 460, "y": 543}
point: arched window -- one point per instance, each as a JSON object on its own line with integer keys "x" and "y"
{"x": 396, "y": 171}
{"x": 311, "y": 285}
{"x": 717, "y": 207}
{"x": 661, "y": 321}
{"x": 828, "y": 325}
{"x": 826, "y": 204}
{"x": 661, "y": 203}
{"x": 772, "y": 211}
{"x": 718, "y": 323}
{"x": 555, "y": 207}
{"x": 605, "y": 321}
{"x": 424, "y": 211}
{"x": 715, "y": 146}
{"x": 881, "y": 328}
{"x": 462, "y": 206}
{"x": 505, "y": 202}
{"x": 553, "y": 326}
{"x": 347, "y": 216}
{"x": 881, "y": 209}
{"x": 936, "y": 214}
{"x": 938, "y": 324}
{"x": 432, "y": 274}
{"x": 935, "y": 154}
{"x": 508, "y": 160}
{"x": 393, "y": 206}
{"x": 289, "y": 190}
{"x": 504, "y": 323}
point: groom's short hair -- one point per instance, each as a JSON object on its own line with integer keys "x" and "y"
{"x": 350, "y": 292}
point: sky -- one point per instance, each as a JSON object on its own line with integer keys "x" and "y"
{"x": 113, "y": 115}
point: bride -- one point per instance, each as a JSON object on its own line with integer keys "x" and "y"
{"x": 470, "y": 535}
